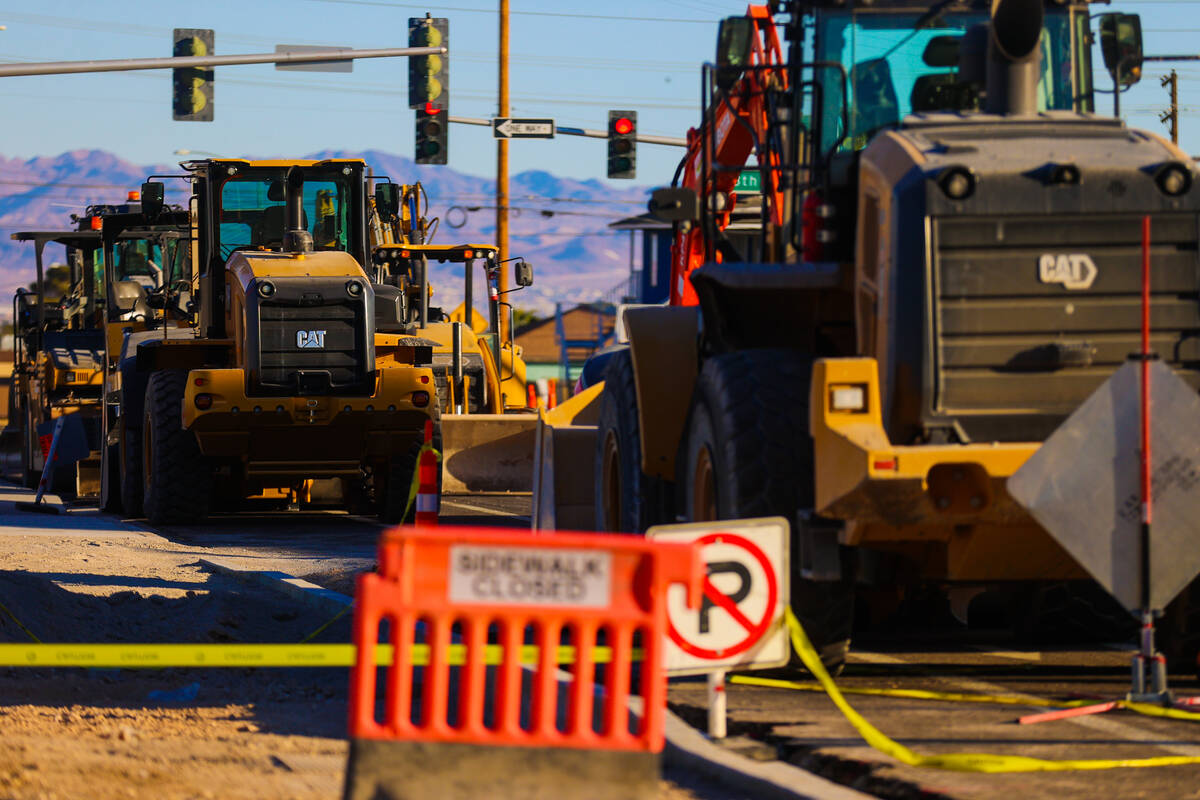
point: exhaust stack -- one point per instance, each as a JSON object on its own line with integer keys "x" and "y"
{"x": 1014, "y": 56}
{"x": 296, "y": 239}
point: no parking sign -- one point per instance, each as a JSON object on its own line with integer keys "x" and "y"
{"x": 740, "y": 621}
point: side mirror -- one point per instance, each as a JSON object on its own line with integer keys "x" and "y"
{"x": 387, "y": 200}
{"x": 1121, "y": 44}
{"x": 674, "y": 204}
{"x": 734, "y": 39}
{"x": 152, "y": 198}
{"x": 524, "y": 273}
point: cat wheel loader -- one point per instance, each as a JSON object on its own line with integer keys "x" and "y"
{"x": 487, "y": 430}
{"x": 60, "y": 344}
{"x": 267, "y": 371}
{"x": 948, "y": 266}
{"x": 57, "y": 370}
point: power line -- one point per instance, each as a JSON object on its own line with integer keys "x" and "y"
{"x": 492, "y": 11}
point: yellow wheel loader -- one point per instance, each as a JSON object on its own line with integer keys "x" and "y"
{"x": 487, "y": 429}
{"x": 279, "y": 379}
{"x": 57, "y": 365}
{"x": 948, "y": 267}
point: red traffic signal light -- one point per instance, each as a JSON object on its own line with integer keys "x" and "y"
{"x": 622, "y": 144}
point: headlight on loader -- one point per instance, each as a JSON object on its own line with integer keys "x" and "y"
{"x": 850, "y": 398}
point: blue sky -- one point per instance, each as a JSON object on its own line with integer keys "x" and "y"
{"x": 570, "y": 61}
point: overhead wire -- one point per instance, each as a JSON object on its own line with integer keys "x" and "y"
{"x": 492, "y": 11}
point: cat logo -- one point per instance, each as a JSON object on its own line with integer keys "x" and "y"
{"x": 1073, "y": 271}
{"x": 310, "y": 339}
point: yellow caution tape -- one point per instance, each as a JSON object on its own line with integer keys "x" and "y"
{"x": 915, "y": 694}
{"x": 20, "y": 625}
{"x": 135, "y": 656}
{"x": 961, "y": 762}
{"x": 319, "y": 630}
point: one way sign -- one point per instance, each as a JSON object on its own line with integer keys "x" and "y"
{"x": 740, "y": 621}
{"x": 508, "y": 128}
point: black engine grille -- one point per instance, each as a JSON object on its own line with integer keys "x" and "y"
{"x": 339, "y": 329}
{"x": 1006, "y": 344}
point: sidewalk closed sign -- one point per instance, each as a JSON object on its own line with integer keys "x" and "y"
{"x": 739, "y": 624}
{"x": 530, "y": 576}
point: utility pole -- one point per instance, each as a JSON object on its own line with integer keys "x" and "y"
{"x": 1171, "y": 116}
{"x": 502, "y": 165}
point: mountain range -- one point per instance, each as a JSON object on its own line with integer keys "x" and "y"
{"x": 558, "y": 224}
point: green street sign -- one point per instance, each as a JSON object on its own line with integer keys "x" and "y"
{"x": 749, "y": 180}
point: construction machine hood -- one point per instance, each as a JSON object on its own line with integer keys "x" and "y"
{"x": 1050, "y": 162}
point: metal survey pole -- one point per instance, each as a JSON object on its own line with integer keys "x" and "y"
{"x": 502, "y": 168}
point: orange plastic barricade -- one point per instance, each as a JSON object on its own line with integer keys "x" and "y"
{"x": 585, "y": 593}
{"x": 499, "y": 638}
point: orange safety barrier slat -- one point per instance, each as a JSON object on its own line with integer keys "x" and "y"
{"x": 431, "y": 581}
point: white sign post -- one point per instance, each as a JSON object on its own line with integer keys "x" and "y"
{"x": 740, "y": 622}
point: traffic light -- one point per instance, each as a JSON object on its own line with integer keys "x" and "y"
{"x": 192, "y": 87}
{"x": 432, "y": 127}
{"x": 622, "y": 144}
{"x": 429, "y": 76}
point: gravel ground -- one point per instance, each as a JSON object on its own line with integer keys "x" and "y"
{"x": 173, "y": 734}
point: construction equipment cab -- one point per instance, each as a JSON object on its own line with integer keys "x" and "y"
{"x": 281, "y": 382}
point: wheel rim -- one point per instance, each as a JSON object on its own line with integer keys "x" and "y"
{"x": 611, "y": 487}
{"x": 704, "y": 495}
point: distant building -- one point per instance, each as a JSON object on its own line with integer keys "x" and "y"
{"x": 586, "y": 328}
{"x": 649, "y": 283}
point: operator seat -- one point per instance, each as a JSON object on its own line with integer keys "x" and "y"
{"x": 271, "y": 226}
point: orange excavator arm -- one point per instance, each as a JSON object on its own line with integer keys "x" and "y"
{"x": 735, "y": 128}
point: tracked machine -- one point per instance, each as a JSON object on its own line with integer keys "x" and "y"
{"x": 948, "y": 265}
{"x": 277, "y": 378}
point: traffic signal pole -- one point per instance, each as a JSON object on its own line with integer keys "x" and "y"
{"x": 502, "y": 170}
{"x": 132, "y": 64}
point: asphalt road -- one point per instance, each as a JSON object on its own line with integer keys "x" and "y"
{"x": 806, "y": 729}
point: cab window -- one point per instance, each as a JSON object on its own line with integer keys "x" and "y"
{"x": 253, "y": 213}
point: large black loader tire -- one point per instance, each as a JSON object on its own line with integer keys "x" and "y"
{"x": 394, "y": 485}
{"x": 627, "y": 499}
{"x": 31, "y": 476}
{"x": 177, "y": 479}
{"x": 748, "y": 453}
{"x": 110, "y": 478}
{"x": 131, "y": 455}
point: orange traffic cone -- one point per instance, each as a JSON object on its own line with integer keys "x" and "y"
{"x": 427, "y": 489}
{"x": 552, "y": 394}
{"x": 531, "y": 391}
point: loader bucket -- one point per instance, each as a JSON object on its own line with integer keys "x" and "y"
{"x": 487, "y": 453}
{"x": 563, "y": 483}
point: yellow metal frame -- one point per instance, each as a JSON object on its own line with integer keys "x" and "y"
{"x": 393, "y": 392}
{"x": 855, "y": 459}
{"x": 945, "y": 506}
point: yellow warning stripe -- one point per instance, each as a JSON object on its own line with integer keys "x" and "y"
{"x": 132, "y": 656}
{"x": 961, "y": 762}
